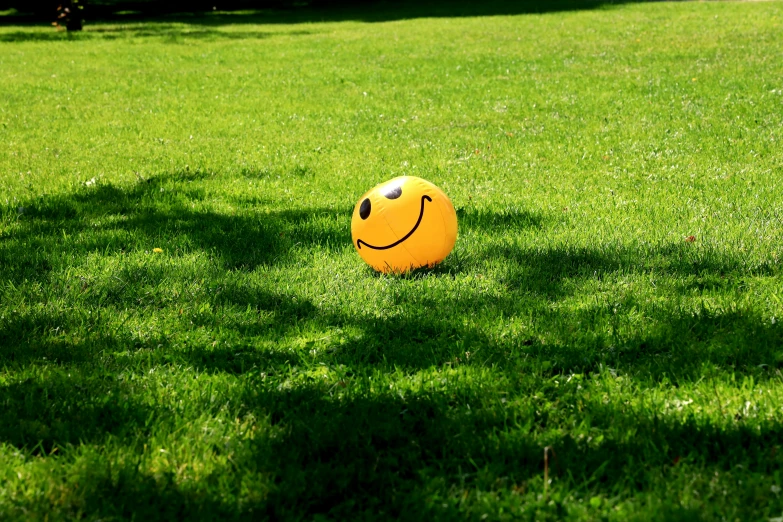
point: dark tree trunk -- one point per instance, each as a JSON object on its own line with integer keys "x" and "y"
{"x": 69, "y": 15}
{"x": 75, "y": 23}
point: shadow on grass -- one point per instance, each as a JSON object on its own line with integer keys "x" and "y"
{"x": 50, "y": 337}
{"x": 168, "y": 211}
{"x": 162, "y": 19}
{"x": 170, "y": 33}
{"x": 255, "y": 12}
{"x": 494, "y": 221}
{"x": 670, "y": 340}
{"x": 399, "y": 451}
{"x": 69, "y": 407}
{"x": 82, "y": 336}
{"x": 389, "y": 456}
{"x": 673, "y": 344}
{"x": 550, "y": 272}
{"x": 113, "y": 220}
{"x": 387, "y": 10}
{"x": 344, "y": 450}
{"x": 123, "y": 492}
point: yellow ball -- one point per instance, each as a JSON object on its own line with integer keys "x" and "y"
{"x": 403, "y": 224}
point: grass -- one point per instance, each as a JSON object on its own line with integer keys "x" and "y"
{"x": 614, "y": 294}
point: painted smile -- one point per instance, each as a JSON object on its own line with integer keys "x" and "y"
{"x": 359, "y": 242}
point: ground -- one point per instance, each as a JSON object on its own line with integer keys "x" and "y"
{"x": 186, "y": 330}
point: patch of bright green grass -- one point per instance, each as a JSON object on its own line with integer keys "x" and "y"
{"x": 614, "y": 294}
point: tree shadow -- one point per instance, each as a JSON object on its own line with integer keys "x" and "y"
{"x": 150, "y": 214}
{"x": 675, "y": 345}
{"x": 398, "y": 446}
{"x": 39, "y": 36}
{"x": 70, "y": 407}
{"x": 387, "y": 10}
{"x": 225, "y": 12}
{"x": 123, "y": 492}
{"x": 672, "y": 339}
{"x": 174, "y": 22}
{"x": 553, "y": 272}
{"x": 169, "y": 32}
{"x": 494, "y": 221}
{"x": 383, "y": 454}
{"x": 664, "y": 342}
{"x": 79, "y": 336}
{"x": 107, "y": 219}
{"x": 49, "y": 336}
{"x": 378, "y": 464}
{"x": 345, "y": 450}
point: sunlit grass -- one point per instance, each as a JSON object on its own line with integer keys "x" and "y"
{"x": 186, "y": 330}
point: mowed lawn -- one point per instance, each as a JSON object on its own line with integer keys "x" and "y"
{"x": 187, "y": 332}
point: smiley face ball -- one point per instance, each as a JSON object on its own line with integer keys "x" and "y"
{"x": 403, "y": 224}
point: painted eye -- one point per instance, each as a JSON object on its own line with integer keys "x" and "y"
{"x": 394, "y": 192}
{"x": 364, "y": 210}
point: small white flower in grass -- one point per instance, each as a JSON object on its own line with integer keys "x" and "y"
{"x": 90, "y": 182}
{"x": 775, "y": 489}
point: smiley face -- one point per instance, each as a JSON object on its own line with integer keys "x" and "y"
{"x": 402, "y": 224}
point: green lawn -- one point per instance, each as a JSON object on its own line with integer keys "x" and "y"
{"x": 614, "y": 294}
